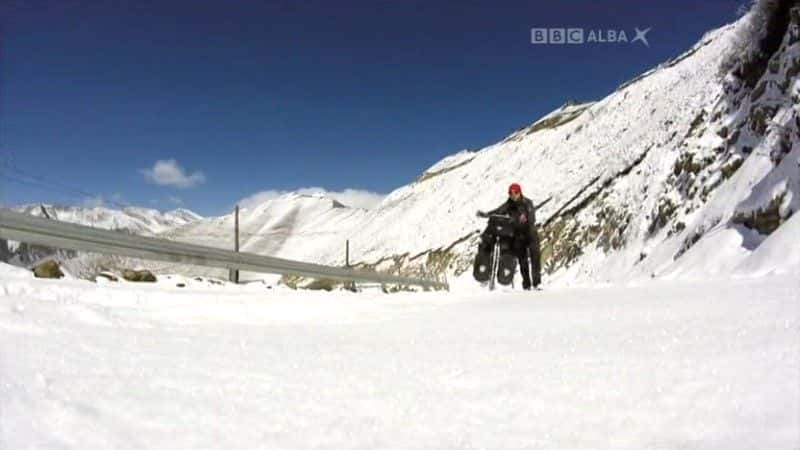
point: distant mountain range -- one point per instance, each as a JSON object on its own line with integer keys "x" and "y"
{"x": 132, "y": 220}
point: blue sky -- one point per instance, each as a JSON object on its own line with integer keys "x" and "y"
{"x": 203, "y": 103}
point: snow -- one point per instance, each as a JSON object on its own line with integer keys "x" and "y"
{"x": 717, "y": 253}
{"x": 9, "y": 271}
{"x": 451, "y": 161}
{"x": 780, "y": 253}
{"x": 132, "y": 219}
{"x": 303, "y": 227}
{"x": 666, "y": 365}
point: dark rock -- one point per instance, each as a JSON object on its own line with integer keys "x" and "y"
{"x": 764, "y": 220}
{"x": 696, "y": 122}
{"x": 48, "y": 269}
{"x": 664, "y": 212}
{"x": 731, "y": 167}
{"x": 758, "y": 91}
{"x": 144, "y": 276}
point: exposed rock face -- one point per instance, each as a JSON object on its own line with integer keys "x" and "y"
{"x": 764, "y": 220}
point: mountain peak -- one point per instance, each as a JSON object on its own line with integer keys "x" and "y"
{"x": 131, "y": 219}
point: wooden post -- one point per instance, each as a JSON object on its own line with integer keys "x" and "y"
{"x": 234, "y": 273}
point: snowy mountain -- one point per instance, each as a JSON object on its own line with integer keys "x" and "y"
{"x": 297, "y": 226}
{"x": 685, "y": 171}
{"x": 132, "y": 220}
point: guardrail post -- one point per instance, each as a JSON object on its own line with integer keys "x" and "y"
{"x": 5, "y": 253}
{"x": 352, "y": 284}
{"x": 234, "y": 273}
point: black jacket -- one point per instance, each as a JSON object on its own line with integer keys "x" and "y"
{"x": 522, "y": 212}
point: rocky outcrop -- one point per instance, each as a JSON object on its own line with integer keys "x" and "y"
{"x": 144, "y": 276}
{"x": 48, "y": 269}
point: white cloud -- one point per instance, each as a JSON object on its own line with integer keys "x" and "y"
{"x": 258, "y": 198}
{"x": 168, "y": 173}
{"x": 356, "y": 198}
{"x": 93, "y": 202}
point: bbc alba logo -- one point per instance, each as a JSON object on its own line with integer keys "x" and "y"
{"x": 584, "y": 36}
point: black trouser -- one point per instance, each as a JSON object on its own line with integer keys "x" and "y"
{"x": 536, "y": 257}
{"x": 527, "y": 251}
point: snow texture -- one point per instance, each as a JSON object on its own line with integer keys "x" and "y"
{"x": 666, "y": 365}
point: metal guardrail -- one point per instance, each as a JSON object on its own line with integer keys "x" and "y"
{"x": 21, "y": 227}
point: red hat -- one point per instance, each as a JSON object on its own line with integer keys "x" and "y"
{"x": 515, "y": 187}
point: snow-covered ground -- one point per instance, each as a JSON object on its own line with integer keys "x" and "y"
{"x": 647, "y": 365}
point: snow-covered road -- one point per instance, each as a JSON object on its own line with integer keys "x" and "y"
{"x": 655, "y": 366}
